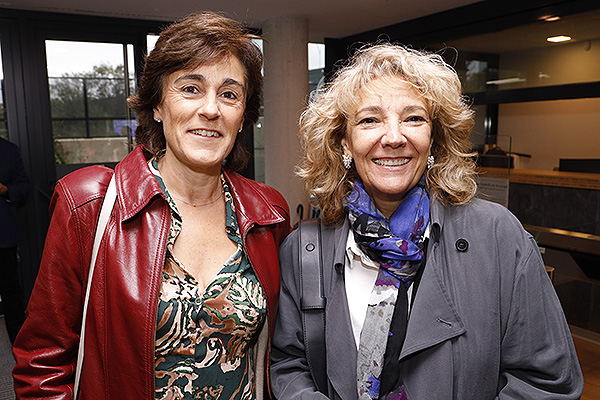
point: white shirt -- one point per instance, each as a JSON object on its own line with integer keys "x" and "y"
{"x": 360, "y": 275}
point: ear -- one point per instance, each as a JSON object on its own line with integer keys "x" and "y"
{"x": 345, "y": 146}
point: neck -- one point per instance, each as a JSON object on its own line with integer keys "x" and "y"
{"x": 189, "y": 186}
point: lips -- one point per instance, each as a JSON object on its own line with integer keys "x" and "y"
{"x": 205, "y": 133}
{"x": 391, "y": 162}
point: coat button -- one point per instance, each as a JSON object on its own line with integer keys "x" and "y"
{"x": 462, "y": 245}
{"x": 310, "y": 247}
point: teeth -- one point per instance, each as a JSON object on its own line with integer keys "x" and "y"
{"x": 391, "y": 163}
{"x": 202, "y": 132}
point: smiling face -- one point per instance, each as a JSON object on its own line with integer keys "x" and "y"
{"x": 389, "y": 138}
{"x": 202, "y": 111}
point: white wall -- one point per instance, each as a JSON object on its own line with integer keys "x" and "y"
{"x": 550, "y": 130}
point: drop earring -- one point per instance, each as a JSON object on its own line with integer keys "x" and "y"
{"x": 347, "y": 160}
{"x": 430, "y": 162}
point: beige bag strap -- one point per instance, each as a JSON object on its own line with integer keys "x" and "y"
{"x": 105, "y": 211}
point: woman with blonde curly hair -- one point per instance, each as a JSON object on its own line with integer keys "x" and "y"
{"x": 430, "y": 293}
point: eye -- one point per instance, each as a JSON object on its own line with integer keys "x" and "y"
{"x": 230, "y": 95}
{"x": 190, "y": 89}
{"x": 415, "y": 120}
{"x": 367, "y": 121}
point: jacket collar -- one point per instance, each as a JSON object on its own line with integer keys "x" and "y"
{"x": 436, "y": 219}
{"x": 253, "y": 202}
{"x": 433, "y": 316}
{"x": 136, "y": 187}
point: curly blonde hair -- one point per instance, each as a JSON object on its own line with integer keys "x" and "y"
{"x": 323, "y": 125}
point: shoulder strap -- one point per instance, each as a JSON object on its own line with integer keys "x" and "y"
{"x": 105, "y": 211}
{"x": 312, "y": 301}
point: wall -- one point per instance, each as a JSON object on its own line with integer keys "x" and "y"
{"x": 550, "y": 130}
{"x": 554, "y": 64}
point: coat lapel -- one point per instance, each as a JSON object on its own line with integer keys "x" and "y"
{"x": 339, "y": 339}
{"x": 433, "y": 317}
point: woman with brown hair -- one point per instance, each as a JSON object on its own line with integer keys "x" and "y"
{"x": 185, "y": 288}
{"x": 429, "y": 292}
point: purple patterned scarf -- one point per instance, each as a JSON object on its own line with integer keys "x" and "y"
{"x": 397, "y": 245}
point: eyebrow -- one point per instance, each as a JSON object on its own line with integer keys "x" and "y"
{"x": 201, "y": 78}
{"x": 407, "y": 109}
{"x": 368, "y": 109}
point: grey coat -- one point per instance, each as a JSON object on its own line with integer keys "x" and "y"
{"x": 485, "y": 321}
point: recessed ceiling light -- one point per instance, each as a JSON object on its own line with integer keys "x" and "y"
{"x": 558, "y": 39}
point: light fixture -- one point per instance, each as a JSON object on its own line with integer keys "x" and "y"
{"x": 558, "y": 39}
{"x": 505, "y": 81}
{"x": 549, "y": 18}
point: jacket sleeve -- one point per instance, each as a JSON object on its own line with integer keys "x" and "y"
{"x": 538, "y": 359}
{"x": 46, "y": 347}
{"x": 290, "y": 375}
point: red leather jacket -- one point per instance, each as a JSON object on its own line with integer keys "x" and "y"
{"x": 120, "y": 333}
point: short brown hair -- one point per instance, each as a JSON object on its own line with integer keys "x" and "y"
{"x": 197, "y": 40}
{"x": 323, "y": 125}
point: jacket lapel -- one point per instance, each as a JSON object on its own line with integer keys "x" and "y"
{"x": 433, "y": 317}
{"x": 339, "y": 339}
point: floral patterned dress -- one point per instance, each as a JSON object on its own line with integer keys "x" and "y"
{"x": 204, "y": 340}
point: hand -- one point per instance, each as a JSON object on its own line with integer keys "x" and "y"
{"x": 3, "y": 189}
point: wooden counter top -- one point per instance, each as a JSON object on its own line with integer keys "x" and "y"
{"x": 579, "y": 180}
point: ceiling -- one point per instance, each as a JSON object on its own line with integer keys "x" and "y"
{"x": 580, "y": 27}
{"x": 326, "y": 18}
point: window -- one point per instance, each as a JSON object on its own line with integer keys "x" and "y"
{"x": 89, "y": 83}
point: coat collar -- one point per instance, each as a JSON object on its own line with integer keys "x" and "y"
{"x": 433, "y": 316}
{"x": 136, "y": 187}
{"x": 254, "y": 202}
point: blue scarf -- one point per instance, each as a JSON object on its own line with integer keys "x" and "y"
{"x": 397, "y": 245}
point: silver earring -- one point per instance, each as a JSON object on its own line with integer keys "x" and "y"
{"x": 347, "y": 160}
{"x": 430, "y": 161}
{"x": 158, "y": 120}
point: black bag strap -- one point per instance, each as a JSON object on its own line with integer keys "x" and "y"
{"x": 312, "y": 301}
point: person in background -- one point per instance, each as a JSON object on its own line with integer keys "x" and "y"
{"x": 14, "y": 189}
{"x": 185, "y": 290}
{"x": 430, "y": 292}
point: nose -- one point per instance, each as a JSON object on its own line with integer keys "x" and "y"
{"x": 209, "y": 107}
{"x": 394, "y": 135}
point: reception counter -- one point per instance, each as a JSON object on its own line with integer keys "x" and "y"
{"x": 577, "y": 180}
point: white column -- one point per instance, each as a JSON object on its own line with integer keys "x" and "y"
{"x": 285, "y": 94}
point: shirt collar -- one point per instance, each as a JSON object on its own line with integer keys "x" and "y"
{"x": 353, "y": 251}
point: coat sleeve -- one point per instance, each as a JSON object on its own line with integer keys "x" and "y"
{"x": 538, "y": 359}
{"x": 290, "y": 375}
{"x": 46, "y": 347}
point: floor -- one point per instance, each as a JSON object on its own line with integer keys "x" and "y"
{"x": 7, "y": 362}
{"x": 587, "y": 350}
{"x": 589, "y": 358}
